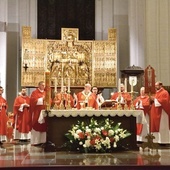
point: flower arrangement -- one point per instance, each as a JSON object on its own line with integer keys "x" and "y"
{"x": 95, "y": 136}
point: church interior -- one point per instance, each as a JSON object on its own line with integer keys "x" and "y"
{"x": 71, "y": 44}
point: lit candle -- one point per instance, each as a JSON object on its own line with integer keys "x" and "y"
{"x": 125, "y": 84}
{"x": 119, "y": 83}
{"x": 55, "y": 85}
{"x": 132, "y": 85}
{"x": 62, "y": 84}
{"x": 68, "y": 85}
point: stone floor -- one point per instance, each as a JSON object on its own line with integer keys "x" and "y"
{"x": 17, "y": 155}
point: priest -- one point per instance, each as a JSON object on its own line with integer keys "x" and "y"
{"x": 3, "y": 117}
{"x": 122, "y": 96}
{"x": 86, "y": 98}
{"x": 159, "y": 114}
{"x": 39, "y": 128}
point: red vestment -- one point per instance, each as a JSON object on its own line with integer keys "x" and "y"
{"x": 23, "y": 116}
{"x": 126, "y": 97}
{"x": 155, "y": 115}
{"x": 3, "y": 116}
{"x": 90, "y": 98}
{"x": 143, "y": 105}
{"x": 35, "y": 111}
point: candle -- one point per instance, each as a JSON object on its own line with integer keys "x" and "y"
{"x": 68, "y": 85}
{"x": 62, "y": 84}
{"x": 132, "y": 85}
{"x": 119, "y": 83}
{"x": 55, "y": 85}
{"x": 125, "y": 82}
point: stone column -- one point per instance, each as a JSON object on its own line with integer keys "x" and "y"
{"x": 137, "y": 35}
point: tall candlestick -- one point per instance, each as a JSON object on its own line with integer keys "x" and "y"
{"x": 55, "y": 85}
{"x": 125, "y": 82}
{"x": 48, "y": 90}
{"x": 68, "y": 85}
{"x": 119, "y": 83}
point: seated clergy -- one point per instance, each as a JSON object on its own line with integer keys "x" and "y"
{"x": 63, "y": 98}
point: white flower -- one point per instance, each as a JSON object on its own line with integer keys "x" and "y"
{"x": 97, "y": 130}
{"x": 86, "y": 144}
{"x": 88, "y": 130}
{"x": 106, "y": 142}
{"x": 114, "y": 145}
{"x": 122, "y": 134}
{"x": 116, "y": 138}
{"x": 116, "y": 131}
{"x": 94, "y": 133}
{"x": 78, "y": 131}
{"x": 76, "y": 136}
{"x": 88, "y": 137}
{"x": 110, "y": 132}
{"x": 98, "y": 146}
{"x": 80, "y": 143}
{"x": 102, "y": 128}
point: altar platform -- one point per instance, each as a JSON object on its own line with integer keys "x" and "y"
{"x": 60, "y": 121}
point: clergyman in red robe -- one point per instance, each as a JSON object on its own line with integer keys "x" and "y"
{"x": 159, "y": 115}
{"x": 142, "y": 102}
{"x": 3, "y": 117}
{"x": 39, "y": 129}
{"x": 22, "y": 116}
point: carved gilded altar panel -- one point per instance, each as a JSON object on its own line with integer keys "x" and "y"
{"x": 80, "y": 61}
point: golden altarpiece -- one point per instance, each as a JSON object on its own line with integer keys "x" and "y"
{"x": 79, "y": 61}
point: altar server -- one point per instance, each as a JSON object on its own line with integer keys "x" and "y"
{"x": 22, "y": 116}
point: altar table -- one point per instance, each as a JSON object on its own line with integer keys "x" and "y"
{"x": 60, "y": 121}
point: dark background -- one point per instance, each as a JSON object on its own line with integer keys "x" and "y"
{"x": 56, "y": 14}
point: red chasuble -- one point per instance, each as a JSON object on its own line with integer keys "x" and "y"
{"x": 3, "y": 116}
{"x": 163, "y": 98}
{"x": 81, "y": 96}
{"x": 35, "y": 111}
{"x": 23, "y": 124}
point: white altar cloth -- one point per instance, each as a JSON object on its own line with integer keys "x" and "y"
{"x": 139, "y": 114}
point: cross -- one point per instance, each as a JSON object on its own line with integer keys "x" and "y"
{"x": 25, "y": 67}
